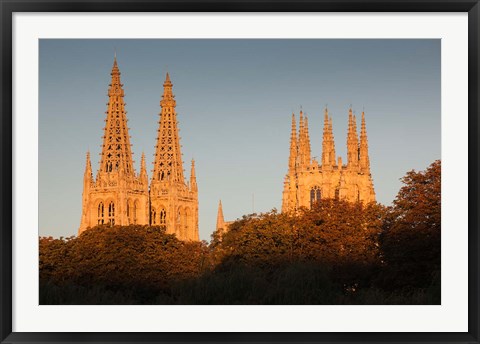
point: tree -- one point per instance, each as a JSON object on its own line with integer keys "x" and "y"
{"x": 338, "y": 236}
{"x": 411, "y": 241}
{"x": 141, "y": 259}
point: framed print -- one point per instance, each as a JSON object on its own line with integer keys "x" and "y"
{"x": 257, "y": 172}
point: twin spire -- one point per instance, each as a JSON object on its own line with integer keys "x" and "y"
{"x": 116, "y": 153}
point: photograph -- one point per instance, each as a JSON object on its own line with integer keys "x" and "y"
{"x": 239, "y": 171}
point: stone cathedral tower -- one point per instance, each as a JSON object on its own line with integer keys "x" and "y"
{"x": 118, "y": 195}
{"x": 307, "y": 181}
{"x": 173, "y": 202}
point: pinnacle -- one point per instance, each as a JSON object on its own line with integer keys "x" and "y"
{"x": 192, "y": 173}
{"x": 167, "y": 79}
{"x": 142, "y": 163}
{"x": 115, "y": 69}
{"x": 88, "y": 164}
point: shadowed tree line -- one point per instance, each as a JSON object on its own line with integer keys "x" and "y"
{"x": 335, "y": 253}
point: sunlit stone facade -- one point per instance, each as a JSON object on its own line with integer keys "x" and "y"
{"x": 173, "y": 202}
{"x": 308, "y": 180}
{"x": 120, "y": 196}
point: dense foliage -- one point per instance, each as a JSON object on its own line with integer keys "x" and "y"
{"x": 335, "y": 253}
{"x": 411, "y": 240}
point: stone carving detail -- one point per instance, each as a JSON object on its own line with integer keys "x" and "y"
{"x": 168, "y": 188}
{"x": 119, "y": 195}
{"x": 307, "y": 181}
{"x": 122, "y": 191}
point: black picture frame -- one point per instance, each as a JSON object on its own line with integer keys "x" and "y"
{"x": 9, "y": 7}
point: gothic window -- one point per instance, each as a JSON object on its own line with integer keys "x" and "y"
{"x": 186, "y": 221}
{"x": 128, "y": 212}
{"x": 153, "y": 215}
{"x": 315, "y": 195}
{"x": 100, "y": 215}
{"x": 111, "y": 213}
{"x": 163, "y": 217}
{"x": 358, "y": 196}
{"x": 135, "y": 209}
{"x": 337, "y": 193}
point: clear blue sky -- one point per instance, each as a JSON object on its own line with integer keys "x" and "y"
{"x": 234, "y": 105}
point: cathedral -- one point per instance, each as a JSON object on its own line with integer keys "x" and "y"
{"x": 307, "y": 180}
{"x": 120, "y": 196}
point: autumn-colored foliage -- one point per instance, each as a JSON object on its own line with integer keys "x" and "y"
{"x": 411, "y": 239}
{"x": 335, "y": 253}
{"x": 139, "y": 258}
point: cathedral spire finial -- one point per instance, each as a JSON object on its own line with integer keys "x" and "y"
{"x": 115, "y": 70}
{"x": 168, "y": 99}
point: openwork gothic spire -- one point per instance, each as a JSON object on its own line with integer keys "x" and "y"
{"x": 168, "y": 157}
{"x": 116, "y": 153}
